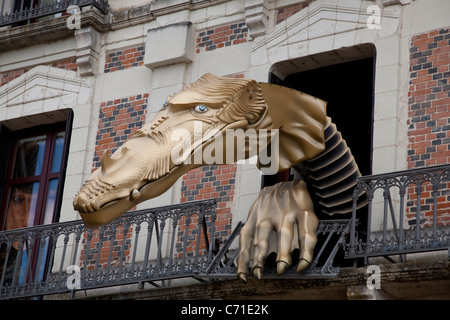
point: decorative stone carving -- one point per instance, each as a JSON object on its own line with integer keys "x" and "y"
{"x": 179, "y": 37}
{"x": 88, "y": 41}
{"x": 257, "y": 17}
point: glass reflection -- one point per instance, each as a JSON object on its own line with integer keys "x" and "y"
{"x": 57, "y": 154}
{"x": 50, "y": 203}
{"x": 20, "y": 214}
{"x": 22, "y": 206}
{"x": 29, "y": 157}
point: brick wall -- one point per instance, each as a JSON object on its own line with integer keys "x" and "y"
{"x": 286, "y": 12}
{"x": 124, "y": 58}
{"x": 211, "y": 182}
{"x": 429, "y": 115}
{"x": 89, "y": 258}
{"x": 11, "y": 75}
{"x": 208, "y": 182}
{"x": 67, "y": 64}
{"x": 118, "y": 119}
{"x": 221, "y": 37}
{"x": 429, "y": 99}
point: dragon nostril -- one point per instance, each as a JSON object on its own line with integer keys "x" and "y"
{"x": 95, "y": 205}
{"x": 135, "y": 194}
{"x": 89, "y": 207}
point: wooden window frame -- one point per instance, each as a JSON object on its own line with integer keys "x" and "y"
{"x": 51, "y": 131}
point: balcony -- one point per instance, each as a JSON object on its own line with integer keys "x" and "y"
{"x": 407, "y": 212}
{"x": 142, "y": 246}
{"x": 27, "y": 11}
{"x": 29, "y": 22}
{"x": 180, "y": 241}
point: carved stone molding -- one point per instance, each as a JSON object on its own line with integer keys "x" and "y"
{"x": 50, "y": 30}
{"x": 40, "y": 95}
{"x": 257, "y": 17}
{"x": 393, "y": 2}
{"x": 180, "y": 37}
{"x": 88, "y": 50}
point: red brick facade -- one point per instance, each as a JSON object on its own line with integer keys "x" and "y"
{"x": 10, "y": 76}
{"x": 118, "y": 119}
{"x": 286, "y": 12}
{"x": 103, "y": 252}
{"x": 115, "y": 60}
{"x": 124, "y": 58}
{"x": 67, "y": 64}
{"x": 429, "y": 117}
{"x": 429, "y": 99}
{"x": 211, "y": 182}
{"x": 221, "y": 37}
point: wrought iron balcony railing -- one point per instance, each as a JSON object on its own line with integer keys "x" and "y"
{"x": 142, "y": 246}
{"x": 180, "y": 240}
{"x": 18, "y": 12}
{"x": 331, "y": 235}
{"x": 407, "y": 212}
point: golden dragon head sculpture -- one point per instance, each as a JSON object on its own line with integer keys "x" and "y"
{"x": 194, "y": 122}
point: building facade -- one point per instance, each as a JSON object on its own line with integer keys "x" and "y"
{"x": 76, "y": 82}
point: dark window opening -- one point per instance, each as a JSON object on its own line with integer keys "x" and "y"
{"x": 33, "y": 165}
{"x": 348, "y": 89}
{"x": 20, "y": 6}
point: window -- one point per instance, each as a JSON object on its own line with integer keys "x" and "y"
{"x": 33, "y": 176}
{"x": 32, "y": 170}
{"x": 37, "y": 10}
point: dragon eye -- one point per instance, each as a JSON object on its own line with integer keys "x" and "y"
{"x": 201, "y": 108}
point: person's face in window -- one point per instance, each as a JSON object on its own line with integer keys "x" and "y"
{"x": 18, "y": 209}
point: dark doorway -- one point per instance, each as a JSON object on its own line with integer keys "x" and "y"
{"x": 348, "y": 89}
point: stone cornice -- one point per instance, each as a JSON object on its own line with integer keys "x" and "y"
{"x": 316, "y": 14}
{"x": 56, "y": 29}
{"x": 49, "y": 30}
{"x": 45, "y": 82}
{"x": 157, "y": 8}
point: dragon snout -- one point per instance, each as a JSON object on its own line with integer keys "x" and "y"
{"x": 96, "y": 194}
{"x": 84, "y": 204}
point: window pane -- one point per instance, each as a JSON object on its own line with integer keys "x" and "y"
{"x": 57, "y": 154}
{"x": 22, "y": 206}
{"x": 29, "y": 157}
{"x": 41, "y": 263}
{"x": 50, "y": 203}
